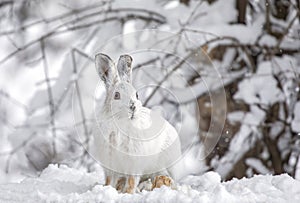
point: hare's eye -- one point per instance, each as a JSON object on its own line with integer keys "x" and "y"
{"x": 117, "y": 96}
{"x": 137, "y": 96}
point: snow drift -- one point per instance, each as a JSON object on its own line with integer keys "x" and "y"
{"x": 64, "y": 184}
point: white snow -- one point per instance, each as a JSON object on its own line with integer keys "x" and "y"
{"x": 296, "y": 121}
{"x": 208, "y": 83}
{"x": 256, "y": 90}
{"x": 257, "y": 165}
{"x": 244, "y": 140}
{"x": 64, "y": 184}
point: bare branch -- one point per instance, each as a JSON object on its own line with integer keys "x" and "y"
{"x": 50, "y": 97}
{"x": 177, "y": 66}
{"x": 152, "y": 16}
{"x": 79, "y": 96}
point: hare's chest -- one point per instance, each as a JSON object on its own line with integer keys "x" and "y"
{"x": 132, "y": 136}
{"x": 124, "y": 142}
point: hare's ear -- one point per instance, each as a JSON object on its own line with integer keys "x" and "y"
{"x": 106, "y": 69}
{"x": 124, "y": 68}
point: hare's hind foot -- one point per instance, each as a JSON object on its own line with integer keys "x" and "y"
{"x": 126, "y": 184}
{"x": 107, "y": 180}
{"x": 120, "y": 184}
{"x": 162, "y": 180}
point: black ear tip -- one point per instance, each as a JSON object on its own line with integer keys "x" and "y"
{"x": 126, "y": 56}
{"x": 101, "y": 55}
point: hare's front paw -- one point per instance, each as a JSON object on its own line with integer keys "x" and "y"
{"x": 107, "y": 180}
{"x": 162, "y": 180}
{"x": 130, "y": 185}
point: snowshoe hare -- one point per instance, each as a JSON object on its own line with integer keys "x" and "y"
{"x": 133, "y": 143}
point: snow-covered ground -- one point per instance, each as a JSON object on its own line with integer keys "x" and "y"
{"x": 63, "y": 184}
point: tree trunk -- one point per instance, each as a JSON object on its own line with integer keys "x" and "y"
{"x": 241, "y": 6}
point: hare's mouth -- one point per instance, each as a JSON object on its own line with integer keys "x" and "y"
{"x": 132, "y": 111}
{"x": 132, "y": 114}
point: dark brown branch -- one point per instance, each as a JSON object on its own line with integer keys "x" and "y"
{"x": 268, "y": 22}
{"x": 286, "y": 31}
{"x": 241, "y": 6}
{"x": 5, "y": 3}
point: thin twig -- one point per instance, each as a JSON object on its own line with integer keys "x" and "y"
{"x": 15, "y": 150}
{"x": 177, "y": 66}
{"x": 75, "y": 72}
{"x": 13, "y": 100}
{"x": 52, "y": 19}
{"x": 287, "y": 29}
{"x": 50, "y": 97}
{"x": 153, "y": 60}
{"x": 58, "y": 30}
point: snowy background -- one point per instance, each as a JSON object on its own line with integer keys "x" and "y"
{"x": 225, "y": 73}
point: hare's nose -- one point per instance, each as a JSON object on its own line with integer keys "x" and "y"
{"x": 132, "y": 106}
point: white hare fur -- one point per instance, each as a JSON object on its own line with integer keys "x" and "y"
{"x": 132, "y": 142}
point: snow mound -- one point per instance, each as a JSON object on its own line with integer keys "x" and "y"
{"x": 63, "y": 184}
